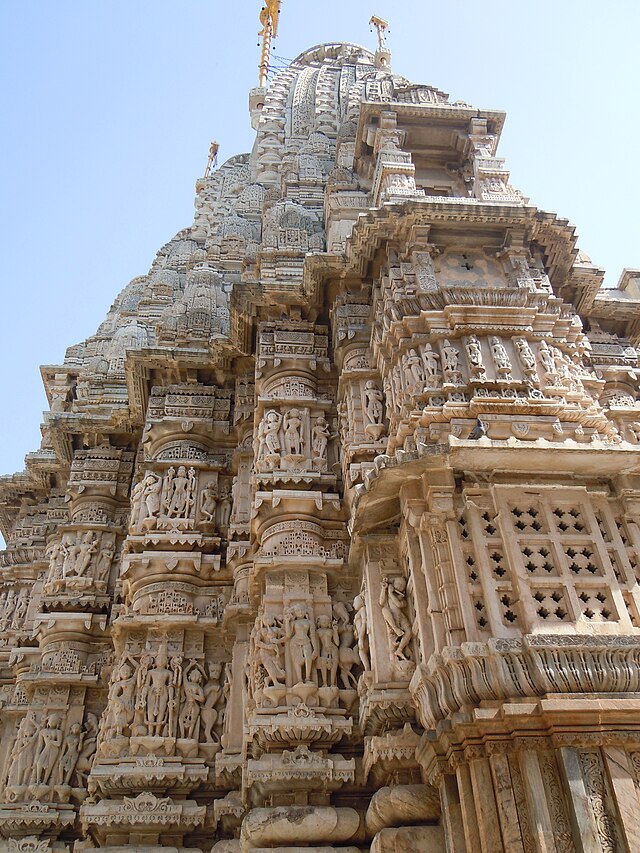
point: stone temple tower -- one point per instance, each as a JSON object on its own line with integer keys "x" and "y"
{"x": 332, "y": 540}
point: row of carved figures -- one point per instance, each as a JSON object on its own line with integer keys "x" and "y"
{"x": 291, "y": 436}
{"x": 169, "y": 501}
{"x": 296, "y": 649}
{"x": 164, "y": 697}
{"x": 82, "y": 554}
{"x": 13, "y": 608}
{"x": 44, "y": 758}
{"x": 423, "y": 369}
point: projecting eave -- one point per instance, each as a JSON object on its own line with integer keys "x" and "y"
{"x": 425, "y": 120}
{"x": 492, "y": 225}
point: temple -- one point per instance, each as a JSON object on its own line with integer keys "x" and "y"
{"x": 331, "y": 543}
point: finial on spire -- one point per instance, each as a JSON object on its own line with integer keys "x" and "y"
{"x": 269, "y": 20}
{"x": 383, "y": 54}
{"x": 212, "y": 162}
{"x": 382, "y": 27}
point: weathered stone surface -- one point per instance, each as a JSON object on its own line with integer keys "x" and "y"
{"x": 333, "y": 533}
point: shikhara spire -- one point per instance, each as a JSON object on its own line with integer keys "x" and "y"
{"x": 331, "y": 543}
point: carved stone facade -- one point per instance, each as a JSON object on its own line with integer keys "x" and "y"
{"x": 332, "y": 541}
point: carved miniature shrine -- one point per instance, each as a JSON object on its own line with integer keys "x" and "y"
{"x": 332, "y": 540}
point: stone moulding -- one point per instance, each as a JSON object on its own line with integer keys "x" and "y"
{"x": 533, "y": 666}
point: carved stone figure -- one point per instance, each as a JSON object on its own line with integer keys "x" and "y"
{"x": 71, "y": 748}
{"x": 302, "y": 640}
{"x": 103, "y": 563}
{"x": 47, "y": 750}
{"x": 88, "y": 749}
{"x": 209, "y": 502}
{"x": 180, "y": 491}
{"x": 224, "y": 509}
{"x": 22, "y": 755}
{"x": 327, "y": 661}
{"x": 474, "y": 356}
{"x": 159, "y": 689}
{"x": 526, "y": 355}
{"x": 209, "y": 711}
{"x": 268, "y": 641}
{"x": 360, "y": 627}
{"x": 151, "y": 498}
{"x": 121, "y": 700}
{"x": 320, "y": 437}
{"x": 430, "y": 360}
{"x": 450, "y": 362}
{"x": 500, "y": 356}
{"x": 86, "y": 549}
{"x": 393, "y": 602}
{"x": 293, "y": 438}
{"x": 546, "y": 357}
{"x": 413, "y": 370}
{"x": 374, "y": 410}
{"x": 189, "y": 721}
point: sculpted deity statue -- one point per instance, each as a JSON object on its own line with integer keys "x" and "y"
{"x": 546, "y": 357}
{"x": 20, "y": 610}
{"x": 224, "y": 509}
{"x": 121, "y": 700}
{"x": 208, "y": 503}
{"x": 320, "y": 436}
{"x": 450, "y": 362}
{"x": 327, "y": 660}
{"x": 189, "y": 720}
{"x": 500, "y": 356}
{"x": 56, "y": 561}
{"x": 72, "y": 555}
{"x": 86, "y": 549}
{"x": 300, "y": 634}
{"x": 70, "y": 753}
{"x": 103, "y": 563}
{"x": 88, "y": 749}
{"x": 474, "y": 356}
{"x": 158, "y": 692}
{"x": 267, "y": 642}
{"x": 360, "y": 627}
{"x": 147, "y": 499}
{"x": 373, "y": 409}
{"x": 430, "y": 361}
{"x": 348, "y": 656}
{"x": 209, "y": 710}
{"x": 21, "y": 762}
{"x": 47, "y": 750}
{"x": 413, "y": 369}
{"x": 180, "y": 491}
{"x": 393, "y": 601}
{"x": 293, "y": 438}
{"x": 525, "y": 354}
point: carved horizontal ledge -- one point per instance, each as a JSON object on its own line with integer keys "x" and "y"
{"x": 531, "y": 667}
{"x": 142, "y": 811}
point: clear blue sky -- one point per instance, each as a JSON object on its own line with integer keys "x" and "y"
{"x": 110, "y": 106}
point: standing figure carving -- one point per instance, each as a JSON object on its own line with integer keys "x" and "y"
{"x": 327, "y": 661}
{"x": 430, "y": 361}
{"x": 393, "y": 601}
{"x": 22, "y": 755}
{"x": 361, "y": 629}
{"x": 209, "y": 502}
{"x": 47, "y": 750}
{"x": 474, "y": 355}
{"x": 320, "y": 438}
{"x": 293, "y": 438}
{"x": 450, "y": 362}
{"x": 413, "y": 370}
{"x": 300, "y": 634}
{"x": 189, "y": 721}
{"x": 267, "y": 642}
{"x": 526, "y": 356}
{"x": 70, "y": 754}
{"x": 500, "y": 356}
